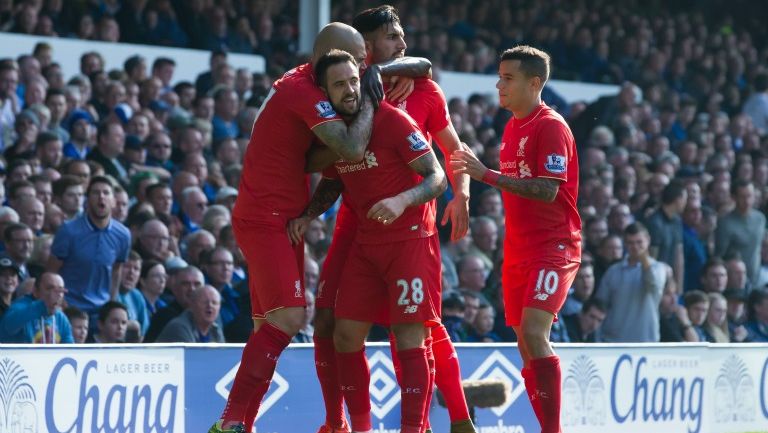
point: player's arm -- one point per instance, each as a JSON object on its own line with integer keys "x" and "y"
{"x": 432, "y": 185}
{"x": 457, "y": 209}
{"x": 319, "y": 157}
{"x": 326, "y": 194}
{"x": 406, "y": 67}
{"x": 538, "y": 188}
{"x": 349, "y": 142}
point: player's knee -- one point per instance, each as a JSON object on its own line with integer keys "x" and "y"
{"x": 408, "y": 336}
{"x": 347, "y": 339}
{"x": 289, "y": 320}
{"x": 324, "y": 323}
{"x": 535, "y": 337}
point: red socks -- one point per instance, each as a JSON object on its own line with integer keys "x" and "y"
{"x": 328, "y": 375}
{"x": 413, "y": 389}
{"x": 448, "y": 380}
{"x": 546, "y": 391}
{"x": 354, "y": 382}
{"x": 431, "y": 387}
{"x": 257, "y": 366}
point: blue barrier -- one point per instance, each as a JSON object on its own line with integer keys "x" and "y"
{"x": 182, "y": 388}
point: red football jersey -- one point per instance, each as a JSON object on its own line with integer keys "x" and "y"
{"x": 541, "y": 145}
{"x": 384, "y": 172}
{"x": 273, "y": 180}
{"x": 428, "y": 107}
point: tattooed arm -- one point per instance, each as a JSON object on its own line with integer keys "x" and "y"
{"x": 326, "y": 194}
{"x": 433, "y": 184}
{"x": 349, "y": 142}
{"x": 538, "y": 188}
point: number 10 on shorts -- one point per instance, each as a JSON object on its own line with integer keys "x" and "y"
{"x": 546, "y": 284}
{"x": 410, "y": 292}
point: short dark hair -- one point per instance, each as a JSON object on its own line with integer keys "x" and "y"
{"x": 147, "y": 266}
{"x": 132, "y": 63}
{"x": 206, "y": 256}
{"x": 711, "y": 263}
{"x": 16, "y": 185}
{"x": 694, "y": 297}
{"x": 635, "y": 229}
{"x": 533, "y": 61}
{"x": 672, "y": 192}
{"x": 108, "y": 307}
{"x": 162, "y": 61}
{"x": 594, "y": 303}
{"x": 46, "y": 137}
{"x": 738, "y": 184}
{"x": 333, "y": 57}
{"x": 53, "y": 92}
{"x": 73, "y": 313}
{"x": 756, "y": 297}
{"x": 149, "y": 190}
{"x": 454, "y": 301}
{"x": 63, "y": 183}
{"x": 100, "y": 179}
{"x": 371, "y": 19}
{"x": 12, "y": 228}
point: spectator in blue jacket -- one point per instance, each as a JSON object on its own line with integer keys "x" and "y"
{"x": 37, "y": 318}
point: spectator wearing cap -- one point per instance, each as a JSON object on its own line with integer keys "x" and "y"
{"x": 666, "y": 229}
{"x": 757, "y": 325}
{"x": 27, "y": 127}
{"x": 90, "y": 250}
{"x": 9, "y": 281}
{"x": 198, "y": 323}
{"x": 110, "y": 145}
{"x": 80, "y": 125}
{"x": 37, "y": 318}
{"x": 226, "y": 197}
{"x": 19, "y": 241}
{"x": 742, "y": 230}
{"x": 225, "y": 110}
{"x": 585, "y": 326}
{"x": 185, "y": 281}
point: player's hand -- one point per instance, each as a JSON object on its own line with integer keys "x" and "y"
{"x": 372, "y": 85}
{"x": 402, "y": 87}
{"x": 464, "y": 161}
{"x": 457, "y": 211}
{"x": 387, "y": 210}
{"x": 296, "y": 229}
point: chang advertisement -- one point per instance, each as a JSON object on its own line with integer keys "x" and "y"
{"x": 106, "y": 390}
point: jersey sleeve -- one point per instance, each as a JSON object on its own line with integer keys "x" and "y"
{"x": 438, "y": 118}
{"x": 554, "y": 150}
{"x": 409, "y": 142}
{"x": 311, "y": 105}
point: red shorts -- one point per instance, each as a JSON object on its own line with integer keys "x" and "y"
{"x": 333, "y": 266}
{"x": 390, "y": 283}
{"x": 275, "y": 267}
{"x": 540, "y": 283}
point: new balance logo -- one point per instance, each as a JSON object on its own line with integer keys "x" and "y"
{"x": 411, "y": 309}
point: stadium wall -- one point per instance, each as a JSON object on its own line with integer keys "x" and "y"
{"x": 190, "y": 63}
{"x": 182, "y": 388}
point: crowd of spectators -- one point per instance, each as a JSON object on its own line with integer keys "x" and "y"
{"x": 118, "y": 184}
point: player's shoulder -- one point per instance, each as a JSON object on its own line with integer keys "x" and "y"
{"x": 550, "y": 115}
{"x": 298, "y": 78}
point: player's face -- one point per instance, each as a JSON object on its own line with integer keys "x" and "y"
{"x": 516, "y": 90}
{"x": 343, "y": 88}
{"x": 388, "y": 43}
